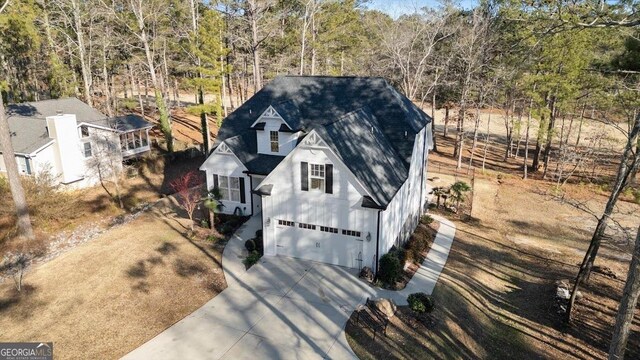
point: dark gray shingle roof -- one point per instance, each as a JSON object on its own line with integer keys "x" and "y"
{"x": 27, "y": 121}
{"x": 340, "y": 109}
{"x": 27, "y": 134}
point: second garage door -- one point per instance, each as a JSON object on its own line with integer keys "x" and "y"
{"x": 319, "y": 243}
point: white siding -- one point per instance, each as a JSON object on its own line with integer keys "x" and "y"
{"x": 403, "y": 212}
{"x": 341, "y": 209}
{"x": 46, "y": 160}
{"x": 227, "y": 164}
{"x": 287, "y": 140}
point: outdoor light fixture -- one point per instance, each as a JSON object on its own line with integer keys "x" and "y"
{"x": 368, "y": 236}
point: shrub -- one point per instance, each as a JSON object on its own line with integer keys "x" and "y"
{"x": 213, "y": 238}
{"x": 420, "y": 302}
{"x": 390, "y": 268}
{"x": 259, "y": 234}
{"x": 259, "y": 245}
{"x": 426, "y": 219}
{"x": 204, "y": 223}
{"x": 251, "y": 259}
{"x": 250, "y": 245}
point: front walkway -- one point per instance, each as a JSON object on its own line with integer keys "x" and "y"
{"x": 282, "y": 308}
{"x": 424, "y": 280}
{"x": 234, "y": 252}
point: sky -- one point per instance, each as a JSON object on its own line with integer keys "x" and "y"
{"x": 396, "y": 8}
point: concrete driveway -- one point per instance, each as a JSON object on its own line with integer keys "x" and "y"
{"x": 282, "y": 308}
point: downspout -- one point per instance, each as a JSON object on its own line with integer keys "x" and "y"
{"x": 251, "y": 191}
{"x": 424, "y": 162}
{"x": 378, "y": 245}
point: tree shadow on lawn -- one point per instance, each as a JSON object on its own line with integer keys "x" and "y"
{"x": 28, "y": 304}
{"x": 185, "y": 267}
{"x": 497, "y": 301}
{"x": 529, "y": 306}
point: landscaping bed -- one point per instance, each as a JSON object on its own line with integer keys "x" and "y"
{"x": 399, "y": 265}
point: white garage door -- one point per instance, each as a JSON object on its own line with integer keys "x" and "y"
{"x": 319, "y": 243}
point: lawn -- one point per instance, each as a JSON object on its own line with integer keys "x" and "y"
{"x": 107, "y": 296}
{"x": 495, "y": 297}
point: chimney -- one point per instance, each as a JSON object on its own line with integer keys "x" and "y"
{"x": 64, "y": 129}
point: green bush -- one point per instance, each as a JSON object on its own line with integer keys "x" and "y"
{"x": 251, "y": 259}
{"x": 204, "y": 223}
{"x": 390, "y": 268}
{"x": 426, "y": 219}
{"x": 420, "y": 302}
{"x": 259, "y": 245}
{"x": 250, "y": 245}
{"x": 213, "y": 238}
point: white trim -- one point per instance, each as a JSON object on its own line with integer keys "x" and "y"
{"x": 112, "y": 129}
{"x": 332, "y": 156}
{"x": 270, "y": 113}
{"x": 216, "y": 152}
{"x": 41, "y": 148}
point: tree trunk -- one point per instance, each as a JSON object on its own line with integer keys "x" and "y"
{"x": 303, "y": 44}
{"x": 433, "y": 120}
{"x": 446, "y": 121}
{"x": 314, "y": 52}
{"x": 486, "y": 142}
{"x": 627, "y": 307}
{"x": 629, "y": 164}
{"x": 84, "y": 66}
{"x": 547, "y": 148}
{"x": 105, "y": 75}
{"x": 525, "y": 166}
{"x": 17, "y": 192}
{"x": 584, "y": 107}
{"x": 255, "y": 47}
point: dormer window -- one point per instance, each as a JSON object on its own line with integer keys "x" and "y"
{"x": 84, "y": 131}
{"x": 275, "y": 142}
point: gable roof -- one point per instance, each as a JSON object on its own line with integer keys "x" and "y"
{"x": 353, "y": 114}
{"x": 27, "y": 121}
{"x": 357, "y": 139}
{"x": 28, "y": 135}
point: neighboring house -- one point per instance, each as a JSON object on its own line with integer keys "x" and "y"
{"x": 72, "y": 141}
{"x": 336, "y": 165}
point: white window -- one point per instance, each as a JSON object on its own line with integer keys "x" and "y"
{"x": 351, "y": 233}
{"x": 84, "y": 131}
{"x": 229, "y": 188}
{"x": 306, "y": 226}
{"x": 23, "y": 165}
{"x": 274, "y": 139}
{"x": 316, "y": 178}
{"x": 87, "y": 149}
{"x": 328, "y": 229}
{"x": 286, "y": 223}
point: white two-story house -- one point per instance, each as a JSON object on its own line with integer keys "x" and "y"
{"x": 73, "y": 142}
{"x": 335, "y": 167}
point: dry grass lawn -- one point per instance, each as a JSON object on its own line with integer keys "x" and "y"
{"x": 110, "y": 295}
{"x": 495, "y": 297}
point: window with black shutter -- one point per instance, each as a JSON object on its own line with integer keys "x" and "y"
{"x": 328, "y": 179}
{"x": 304, "y": 176}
